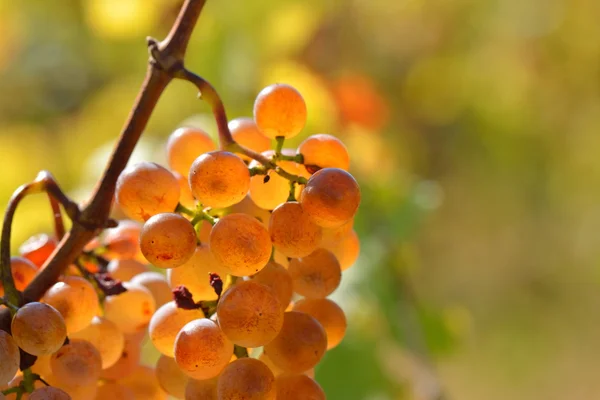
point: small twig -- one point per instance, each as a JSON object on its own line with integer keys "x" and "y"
{"x": 8, "y": 304}
{"x": 184, "y": 210}
{"x": 59, "y": 226}
{"x": 292, "y": 195}
{"x": 279, "y": 140}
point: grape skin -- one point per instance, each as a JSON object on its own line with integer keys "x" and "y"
{"x": 329, "y": 315}
{"x": 127, "y": 361}
{"x": 250, "y": 314}
{"x": 298, "y": 387}
{"x": 201, "y": 390}
{"x": 130, "y": 311}
{"x": 325, "y": 151}
{"x": 49, "y": 393}
{"x": 166, "y": 323}
{"x": 10, "y": 356}
{"x": 114, "y": 391}
{"x": 78, "y": 362}
{"x": 292, "y": 231}
{"x": 316, "y": 275}
{"x": 144, "y": 384}
{"x": 39, "y": 329}
{"x": 168, "y": 240}
{"x": 38, "y": 248}
{"x": 276, "y": 277}
{"x": 76, "y": 300}
{"x": 106, "y": 337}
{"x": 345, "y": 250}
{"x": 246, "y": 379}
{"x": 125, "y": 269}
{"x": 170, "y": 378}
{"x": 157, "y": 284}
{"x": 279, "y": 110}
{"x": 245, "y": 132}
{"x": 184, "y": 146}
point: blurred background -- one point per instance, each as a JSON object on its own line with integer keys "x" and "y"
{"x": 473, "y": 127}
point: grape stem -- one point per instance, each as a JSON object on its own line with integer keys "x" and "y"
{"x": 8, "y": 304}
{"x": 184, "y": 210}
{"x": 166, "y": 58}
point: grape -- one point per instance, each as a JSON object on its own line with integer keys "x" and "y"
{"x": 268, "y": 193}
{"x": 75, "y": 299}
{"x": 114, "y": 391}
{"x": 144, "y": 384}
{"x": 250, "y": 314}
{"x": 300, "y": 344}
{"x": 166, "y": 323}
{"x": 246, "y": 379}
{"x": 10, "y": 356}
{"x": 279, "y": 110}
{"x": 201, "y": 390}
{"x": 125, "y": 269}
{"x": 293, "y": 233}
{"x": 241, "y": 244}
{"x": 316, "y": 275}
{"x": 38, "y": 248}
{"x": 194, "y": 274}
{"x": 281, "y": 259}
{"x": 78, "y": 362}
{"x": 106, "y": 337}
{"x": 42, "y": 366}
{"x": 219, "y": 179}
{"x": 186, "y": 197}
{"x": 279, "y": 280}
{"x": 247, "y": 206}
{"x": 202, "y": 350}
{"x": 49, "y": 393}
{"x": 331, "y": 197}
{"x": 38, "y": 329}
{"x": 168, "y": 240}
{"x": 204, "y": 231}
{"x": 131, "y": 310}
{"x": 170, "y": 377}
{"x": 127, "y": 361}
{"x": 331, "y": 236}
{"x": 346, "y": 250}
{"x": 157, "y": 285}
{"x": 146, "y": 189}
{"x": 329, "y": 315}
{"x": 184, "y": 146}
{"x": 245, "y": 132}
{"x": 125, "y": 236}
{"x": 76, "y": 391}
{"x": 23, "y": 272}
{"x": 325, "y": 151}
{"x": 274, "y": 368}
{"x": 298, "y": 387}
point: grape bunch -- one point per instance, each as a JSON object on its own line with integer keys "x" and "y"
{"x": 224, "y": 264}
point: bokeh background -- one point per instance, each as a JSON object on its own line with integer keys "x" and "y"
{"x": 474, "y": 131}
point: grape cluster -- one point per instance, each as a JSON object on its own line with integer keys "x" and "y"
{"x": 250, "y": 250}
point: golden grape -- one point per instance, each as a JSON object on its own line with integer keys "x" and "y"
{"x": 114, "y": 391}
{"x": 201, "y": 390}
{"x": 78, "y": 362}
{"x": 293, "y": 233}
{"x": 245, "y": 132}
{"x": 241, "y": 244}
{"x": 49, "y": 393}
{"x": 331, "y": 197}
{"x": 298, "y": 387}
{"x": 38, "y": 248}
{"x": 125, "y": 269}
{"x": 146, "y": 189}
{"x": 325, "y": 151}
{"x": 10, "y": 356}
{"x": 144, "y": 384}
{"x": 127, "y": 362}
{"x": 23, "y": 271}
{"x": 279, "y": 280}
{"x": 250, "y": 314}
{"x": 184, "y": 146}
{"x": 329, "y": 315}
{"x": 331, "y": 236}
{"x": 157, "y": 284}
{"x": 166, "y": 323}
{"x": 39, "y": 329}
{"x": 345, "y": 250}
{"x": 106, "y": 337}
{"x": 316, "y": 275}
{"x": 247, "y": 206}
{"x": 131, "y": 310}
{"x": 202, "y": 350}
{"x": 279, "y": 110}
{"x": 170, "y": 377}
{"x": 186, "y": 197}
{"x": 246, "y": 379}
{"x": 300, "y": 344}
{"x": 274, "y": 368}
{"x": 268, "y": 193}
{"x": 219, "y": 179}
{"x": 76, "y": 300}
{"x": 168, "y": 240}
{"x": 125, "y": 237}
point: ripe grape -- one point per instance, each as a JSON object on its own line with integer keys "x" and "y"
{"x": 10, "y": 356}
{"x": 127, "y": 362}
{"x": 114, "y": 391}
{"x": 219, "y": 179}
{"x": 245, "y": 132}
{"x": 298, "y": 387}
{"x": 241, "y": 244}
{"x": 279, "y": 110}
{"x": 246, "y": 379}
{"x": 78, "y": 362}
{"x": 201, "y": 390}
{"x": 38, "y": 248}
{"x": 157, "y": 284}
{"x": 38, "y": 329}
{"x": 247, "y": 206}
{"x": 186, "y": 197}
{"x": 49, "y": 393}
{"x": 125, "y": 269}
{"x": 166, "y": 323}
{"x": 185, "y": 145}
{"x": 170, "y": 377}
{"x": 274, "y": 368}
{"x": 279, "y": 280}
{"x": 329, "y": 315}
{"x": 144, "y": 384}
{"x": 146, "y": 189}
{"x": 331, "y": 236}
{"x": 75, "y": 390}
{"x": 168, "y": 240}
{"x": 250, "y": 314}
{"x": 345, "y": 250}
{"x": 281, "y": 259}
{"x": 202, "y": 350}
{"x": 316, "y": 275}
{"x": 300, "y": 344}
{"x": 268, "y": 191}
{"x": 325, "y": 151}
{"x": 131, "y": 310}
{"x": 23, "y": 271}
{"x": 125, "y": 236}
{"x": 204, "y": 231}
{"x": 331, "y": 197}
{"x": 194, "y": 274}
{"x": 42, "y": 366}
{"x": 106, "y": 337}
{"x": 75, "y": 299}
{"x": 293, "y": 233}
